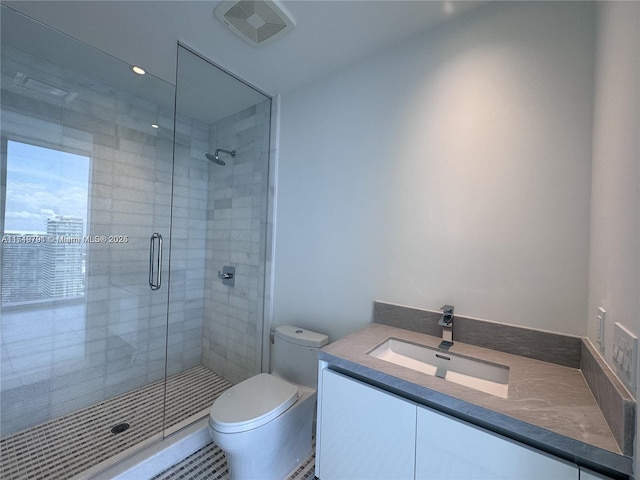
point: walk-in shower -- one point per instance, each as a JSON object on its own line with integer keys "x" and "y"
{"x": 113, "y": 229}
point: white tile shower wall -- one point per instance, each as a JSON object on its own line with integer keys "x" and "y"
{"x": 56, "y": 360}
{"x": 188, "y": 237}
{"x": 236, "y": 236}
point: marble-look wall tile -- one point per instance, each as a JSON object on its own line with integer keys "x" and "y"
{"x": 236, "y": 236}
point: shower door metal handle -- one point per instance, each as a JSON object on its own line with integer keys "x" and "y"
{"x": 155, "y": 261}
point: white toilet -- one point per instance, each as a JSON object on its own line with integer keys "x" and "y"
{"x": 264, "y": 424}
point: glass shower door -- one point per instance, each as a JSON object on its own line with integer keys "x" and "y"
{"x": 86, "y": 169}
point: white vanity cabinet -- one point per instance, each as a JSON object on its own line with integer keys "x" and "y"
{"x": 447, "y": 448}
{"x": 364, "y": 432}
{"x": 367, "y": 433}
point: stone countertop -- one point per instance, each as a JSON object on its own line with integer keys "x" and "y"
{"x": 549, "y": 406}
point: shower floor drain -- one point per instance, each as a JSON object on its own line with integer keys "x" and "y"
{"x": 119, "y": 428}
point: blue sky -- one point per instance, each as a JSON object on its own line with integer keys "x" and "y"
{"x": 42, "y": 182}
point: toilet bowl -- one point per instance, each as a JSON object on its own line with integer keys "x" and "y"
{"x": 265, "y": 440}
{"x": 264, "y": 424}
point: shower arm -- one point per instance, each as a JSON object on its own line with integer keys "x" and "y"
{"x": 230, "y": 152}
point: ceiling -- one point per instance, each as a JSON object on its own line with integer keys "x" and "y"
{"x": 328, "y": 36}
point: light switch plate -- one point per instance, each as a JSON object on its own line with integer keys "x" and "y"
{"x": 625, "y": 354}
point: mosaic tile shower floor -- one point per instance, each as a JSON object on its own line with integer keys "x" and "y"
{"x": 209, "y": 463}
{"x": 64, "y": 447}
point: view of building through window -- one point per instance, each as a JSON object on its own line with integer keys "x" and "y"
{"x": 45, "y": 219}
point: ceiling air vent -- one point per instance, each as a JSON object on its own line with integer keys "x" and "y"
{"x": 258, "y": 22}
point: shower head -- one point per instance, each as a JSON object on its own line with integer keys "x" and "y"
{"x": 215, "y": 158}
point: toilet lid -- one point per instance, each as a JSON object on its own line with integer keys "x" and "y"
{"x": 252, "y": 403}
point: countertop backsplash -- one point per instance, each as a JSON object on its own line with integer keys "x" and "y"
{"x": 546, "y": 346}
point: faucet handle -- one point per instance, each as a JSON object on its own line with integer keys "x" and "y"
{"x": 447, "y": 309}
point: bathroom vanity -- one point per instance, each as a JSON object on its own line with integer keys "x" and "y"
{"x": 383, "y": 416}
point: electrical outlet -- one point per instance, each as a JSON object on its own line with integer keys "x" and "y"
{"x": 600, "y": 316}
{"x": 625, "y": 354}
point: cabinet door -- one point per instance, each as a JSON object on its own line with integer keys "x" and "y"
{"x": 447, "y": 448}
{"x": 365, "y": 433}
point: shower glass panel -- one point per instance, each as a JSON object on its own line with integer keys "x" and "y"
{"x": 86, "y": 170}
{"x": 219, "y": 219}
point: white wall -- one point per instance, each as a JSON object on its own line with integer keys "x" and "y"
{"x": 614, "y": 273}
{"x": 454, "y": 168}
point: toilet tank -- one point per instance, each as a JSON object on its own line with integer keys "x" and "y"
{"x": 294, "y": 356}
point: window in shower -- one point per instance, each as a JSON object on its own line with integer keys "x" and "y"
{"x": 45, "y": 218}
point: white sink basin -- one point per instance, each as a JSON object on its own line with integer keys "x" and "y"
{"x": 471, "y": 372}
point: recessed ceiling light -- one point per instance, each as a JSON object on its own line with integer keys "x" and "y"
{"x": 448, "y": 7}
{"x": 138, "y": 70}
{"x": 153, "y": 125}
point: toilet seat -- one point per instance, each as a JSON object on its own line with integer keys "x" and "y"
{"x": 252, "y": 403}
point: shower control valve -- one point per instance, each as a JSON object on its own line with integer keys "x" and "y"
{"x": 227, "y": 275}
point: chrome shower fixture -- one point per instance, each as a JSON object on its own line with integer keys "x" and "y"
{"x": 215, "y": 158}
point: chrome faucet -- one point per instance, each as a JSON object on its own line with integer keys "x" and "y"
{"x": 446, "y": 322}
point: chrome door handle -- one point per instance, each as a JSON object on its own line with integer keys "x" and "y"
{"x": 155, "y": 261}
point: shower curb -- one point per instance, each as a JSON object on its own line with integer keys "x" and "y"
{"x": 156, "y": 458}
